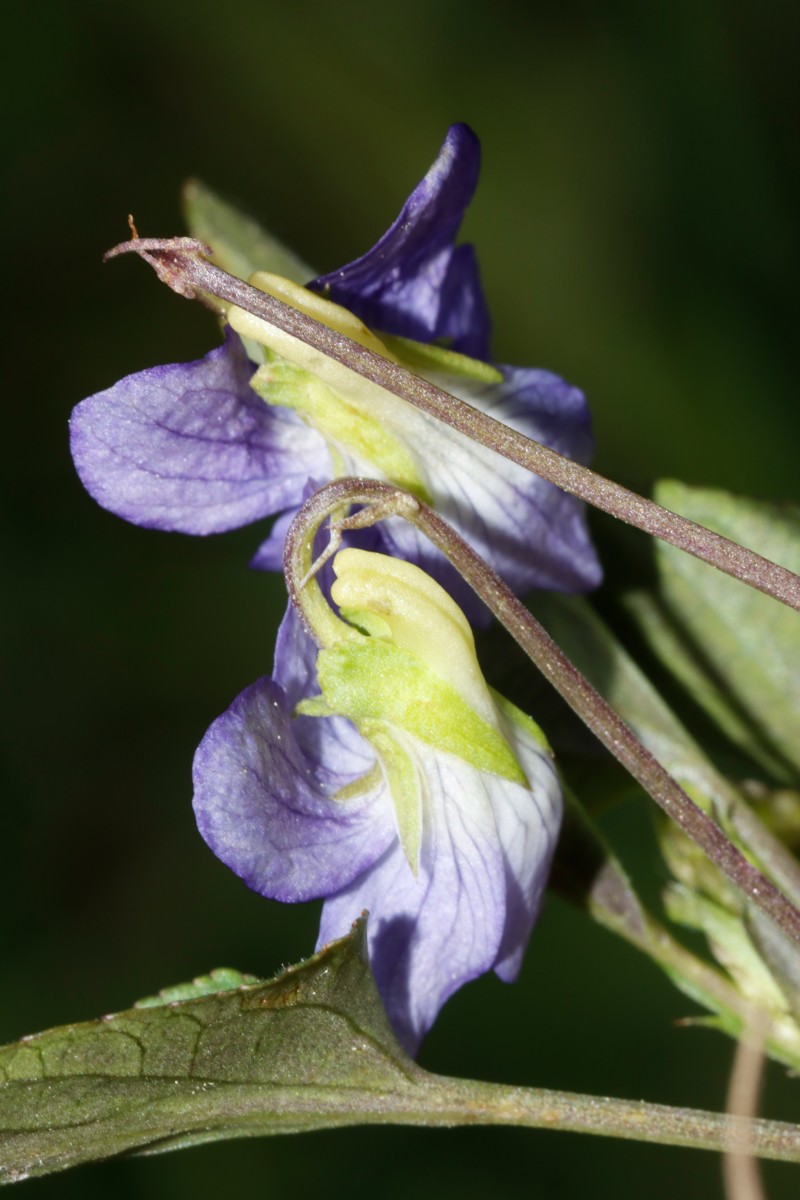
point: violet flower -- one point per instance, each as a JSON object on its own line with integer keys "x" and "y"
{"x": 194, "y": 447}
{"x": 406, "y": 788}
{"x": 415, "y": 282}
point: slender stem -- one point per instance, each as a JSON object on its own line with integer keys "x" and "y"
{"x": 740, "y": 1170}
{"x": 589, "y": 705}
{"x": 155, "y": 1121}
{"x": 179, "y": 262}
{"x": 497, "y": 1104}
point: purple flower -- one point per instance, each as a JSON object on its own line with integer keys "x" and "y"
{"x": 195, "y": 448}
{"x": 415, "y": 282}
{"x": 191, "y": 447}
{"x": 406, "y": 788}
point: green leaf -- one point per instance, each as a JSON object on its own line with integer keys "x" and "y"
{"x": 779, "y": 954}
{"x": 735, "y": 651}
{"x": 588, "y": 874}
{"x": 597, "y": 653}
{"x": 592, "y": 647}
{"x": 309, "y": 1049}
{"x": 241, "y": 246}
{"x": 731, "y": 945}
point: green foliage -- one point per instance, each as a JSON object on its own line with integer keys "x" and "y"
{"x": 592, "y": 647}
{"x": 735, "y": 651}
{"x": 308, "y": 1049}
{"x": 240, "y": 244}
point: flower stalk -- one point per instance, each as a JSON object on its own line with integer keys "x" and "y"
{"x": 538, "y": 1108}
{"x": 182, "y": 264}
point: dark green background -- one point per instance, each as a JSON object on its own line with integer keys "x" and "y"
{"x": 636, "y": 227}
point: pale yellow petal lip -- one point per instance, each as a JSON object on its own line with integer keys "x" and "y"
{"x": 422, "y": 617}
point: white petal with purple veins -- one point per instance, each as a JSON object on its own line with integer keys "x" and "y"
{"x": 486, "y": 851}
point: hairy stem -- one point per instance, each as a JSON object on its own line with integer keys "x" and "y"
{"x": 180, "y": 263}
{"x": 495, "y": 1104}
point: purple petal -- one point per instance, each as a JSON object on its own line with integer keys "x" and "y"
{"x": 295, "y": 665}
{"x": 432, "y": 933}
{"x": 190, "y": 447}
{"x": 413, "y": 282}
{"x": 267, "y": 811}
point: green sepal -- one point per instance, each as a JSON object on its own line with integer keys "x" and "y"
{"x": 405, "y": 786}
{"x": 432, "y": 359}
{"x": 521, "y": 719}
{"x": 376, "y": 681}
{"x": 345, "y": 425}
{"x": 240, "y": 245}
{"x": 395, "y": 765}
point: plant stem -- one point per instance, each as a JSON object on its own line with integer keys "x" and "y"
{"x": 498, "y": 1104}
{"x": 589, "y": 705}
{"x": 180, "y": 263}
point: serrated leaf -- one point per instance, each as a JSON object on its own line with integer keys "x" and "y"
{"x": 735, "y": 650}
{"x": 240, "y": 245}
{"x": 309, "y": 1049}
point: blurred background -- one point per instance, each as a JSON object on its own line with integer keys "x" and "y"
{"x": 636, "y": 228}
